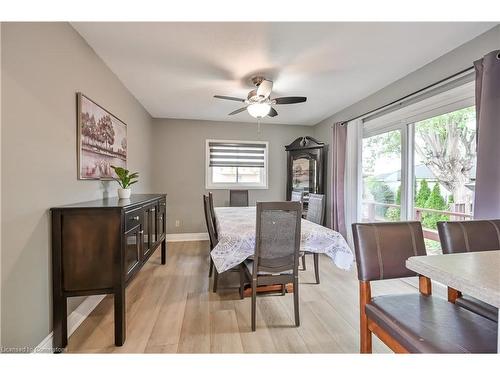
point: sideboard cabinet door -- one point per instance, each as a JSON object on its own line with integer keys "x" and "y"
{"x": 161, "y": 218}
{"x": 133, "y": 246}
{"x": 153, "y": 227}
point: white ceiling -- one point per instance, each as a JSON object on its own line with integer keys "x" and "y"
{"x": 174, "y": 69}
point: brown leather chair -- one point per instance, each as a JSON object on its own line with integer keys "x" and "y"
{"x": 467, "y": 236}
{"x": 410, "y": 323}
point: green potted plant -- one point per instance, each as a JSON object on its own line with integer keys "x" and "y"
{"x": 125, "y": 180}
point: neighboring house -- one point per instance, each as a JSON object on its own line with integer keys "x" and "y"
{"x": 393, "y": 179}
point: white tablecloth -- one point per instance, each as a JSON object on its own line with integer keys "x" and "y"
{"x": 236, "y": 230}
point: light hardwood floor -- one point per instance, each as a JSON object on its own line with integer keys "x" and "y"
{"x": 171, "y": 309}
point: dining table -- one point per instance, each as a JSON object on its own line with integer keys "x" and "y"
{"x": 474, "y": 273}
{"x": 236, "y": 235}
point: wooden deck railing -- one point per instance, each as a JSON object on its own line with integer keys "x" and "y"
{"x": 429, "y": 233}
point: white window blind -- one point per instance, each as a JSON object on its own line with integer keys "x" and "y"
{"x": 225, "y": 154}
{"x": 231, "y": 164}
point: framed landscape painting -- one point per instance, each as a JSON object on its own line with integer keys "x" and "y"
{"x": 102, "y": 141}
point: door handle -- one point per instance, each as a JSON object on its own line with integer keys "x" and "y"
{"x": 139, "y": 246}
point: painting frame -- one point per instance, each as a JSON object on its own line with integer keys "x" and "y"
{"x": 90, "y": 148}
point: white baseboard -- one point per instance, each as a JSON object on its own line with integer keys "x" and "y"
{"x": 178, "y": 237}
{"x": 74, "y": 320}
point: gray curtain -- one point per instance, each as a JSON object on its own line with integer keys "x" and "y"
{"x": 487, "y": 191}
{"x": 337, "y": 169}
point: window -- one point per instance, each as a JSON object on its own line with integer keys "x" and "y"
{"x": 418, "y": 163}
{"x": 381, "y": 172}
{"x": 236, "y": 164}
{"x": 444, "y": 171}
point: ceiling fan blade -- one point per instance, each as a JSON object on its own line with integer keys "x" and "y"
{"x": 290, "y": 99}
{"x": 272, "y": 113}
{"x": 229, "y": 98}
{"x": 237, "y": 111}
{"x": 265, "y": 88}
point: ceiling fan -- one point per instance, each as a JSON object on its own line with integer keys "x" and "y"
{"x": 259, "y": 102}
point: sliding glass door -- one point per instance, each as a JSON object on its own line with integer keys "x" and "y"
{"x": 419, "y": 170}
{"x": 444, "y": 171}
{"x": 381, "y": 175}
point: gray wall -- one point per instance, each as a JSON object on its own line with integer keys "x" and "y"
{"x": 445, "y": 66}
{"x": 179, "y": 162}
{"x": 43, "y": 65}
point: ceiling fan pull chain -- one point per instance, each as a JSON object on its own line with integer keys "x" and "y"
{"x": 258, "y": 125}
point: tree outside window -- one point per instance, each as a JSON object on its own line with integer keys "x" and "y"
{"x": 445, "y": 157}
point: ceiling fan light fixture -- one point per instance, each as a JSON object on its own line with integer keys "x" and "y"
{"x": 259, "y": 110}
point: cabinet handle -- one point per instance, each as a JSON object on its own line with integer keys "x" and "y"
{"x": 135, "y": 218}
{"x": 141, "y": 232}
{"x": 153, "y": 209}
{"x": 163, "y": 204}
{"x": 160, "y": 218}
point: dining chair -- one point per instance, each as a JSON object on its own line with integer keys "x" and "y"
{"x": 238, "y": 198}
{"x": 214, "y": 240}
{"x": 417, "y": 322}
{"x": 315, "y": 214}
{"x": 277, "y": 244}
{"x": 297, "y": 196}
{"x": 469, "y": 236}
{"x": 211, "y": 231}
{"x": 212, "y": 211}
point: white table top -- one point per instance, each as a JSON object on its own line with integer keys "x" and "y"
{"x": 476, "y": 274}
{"x": 236, "y": 230}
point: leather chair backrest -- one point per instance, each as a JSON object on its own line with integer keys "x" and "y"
{"x": 383, "y": 248}
{"x": 465, "y": 236}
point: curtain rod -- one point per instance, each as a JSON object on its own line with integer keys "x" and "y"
{"x": 413, "y": 93}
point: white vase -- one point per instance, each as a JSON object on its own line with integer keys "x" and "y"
{"x": 124, "y": 193}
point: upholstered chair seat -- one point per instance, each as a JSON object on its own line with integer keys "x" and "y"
{"x": 249, "y": 266}
{"x": 424, "y": 324}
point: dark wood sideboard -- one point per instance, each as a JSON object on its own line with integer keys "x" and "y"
{"x": 98, "y": 247}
